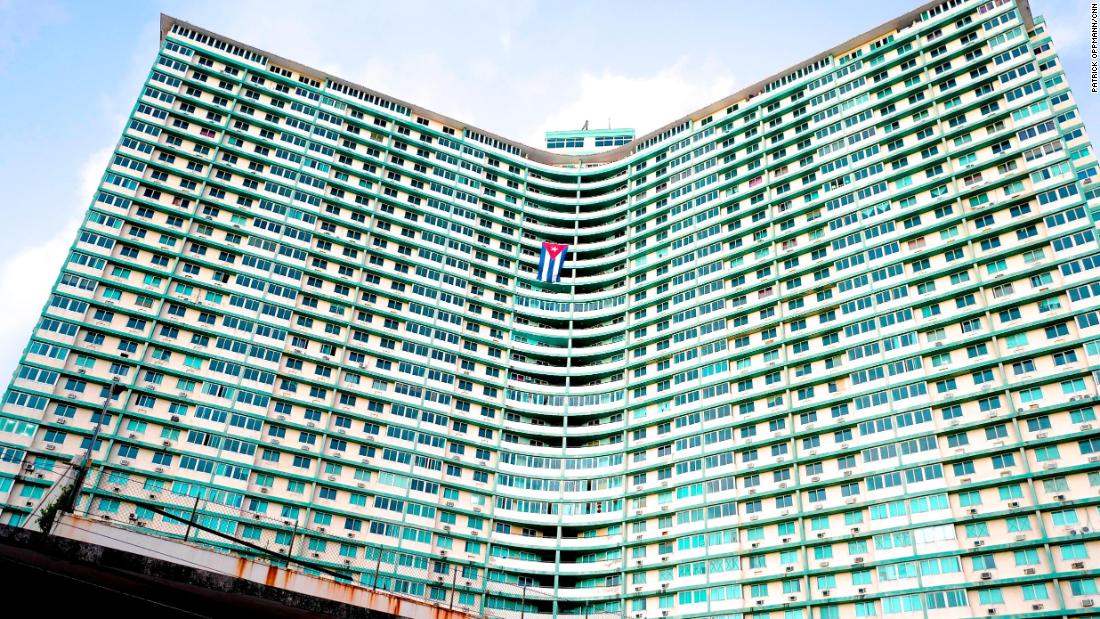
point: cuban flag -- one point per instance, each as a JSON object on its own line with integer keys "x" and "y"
{"x": 553, "y": 257}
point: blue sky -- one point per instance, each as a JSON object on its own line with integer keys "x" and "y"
{"x": 70, "y": 72}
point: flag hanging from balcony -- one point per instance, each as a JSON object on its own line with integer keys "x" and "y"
{"x": 553, "y": 257}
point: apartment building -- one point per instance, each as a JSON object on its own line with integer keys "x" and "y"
{"x": 822, "y": 349}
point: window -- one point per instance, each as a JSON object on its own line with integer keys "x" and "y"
{"x": 1083, "y": 586}
{"x": 1036, "y": 591}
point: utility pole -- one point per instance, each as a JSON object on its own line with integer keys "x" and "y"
{"x": 194, "y": 514}
{"x": 377, "y": 567}
{"x": 454, "y": 577}
{"x": 86, "y": 460}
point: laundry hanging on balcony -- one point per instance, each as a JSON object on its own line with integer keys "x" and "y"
{"x": 551, "y": 261}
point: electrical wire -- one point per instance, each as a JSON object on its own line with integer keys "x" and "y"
{"x": 151, "y": 550}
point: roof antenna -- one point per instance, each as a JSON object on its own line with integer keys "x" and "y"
{"x": 585, "y": 127}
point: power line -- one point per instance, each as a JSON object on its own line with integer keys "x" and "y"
{"x": 151, "y": 550}
{"x": 55, "y": 486}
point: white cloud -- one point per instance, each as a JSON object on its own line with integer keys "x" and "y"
{"x": 643, "y": 103}
{"x": 91, "y": 172}
{"x": 27, "y": 276}
{"x": 25, "y": 281}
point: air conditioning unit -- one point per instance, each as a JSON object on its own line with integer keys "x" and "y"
{"x": 859, "y": 559}
{"x": 978, "y": 542}
{"x": 790, "y": 568}
{"x": 1088, "y": 603}
{"x": 1078, "y": 565}
{"x": 1036, "y": 607}
{"x": 825, "y": 593}
{"x": 985, "y": 576}
{"x": 991, "y": 611}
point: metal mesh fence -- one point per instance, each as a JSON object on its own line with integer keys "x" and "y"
{"x": 218, "y": 519}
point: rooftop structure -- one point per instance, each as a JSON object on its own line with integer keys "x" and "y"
{"x": 586, "y": 141}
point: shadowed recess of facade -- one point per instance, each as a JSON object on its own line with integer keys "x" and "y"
{"x": 822, "y": 349}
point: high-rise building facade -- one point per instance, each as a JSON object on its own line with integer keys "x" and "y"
{"x": 822, "y": 349}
